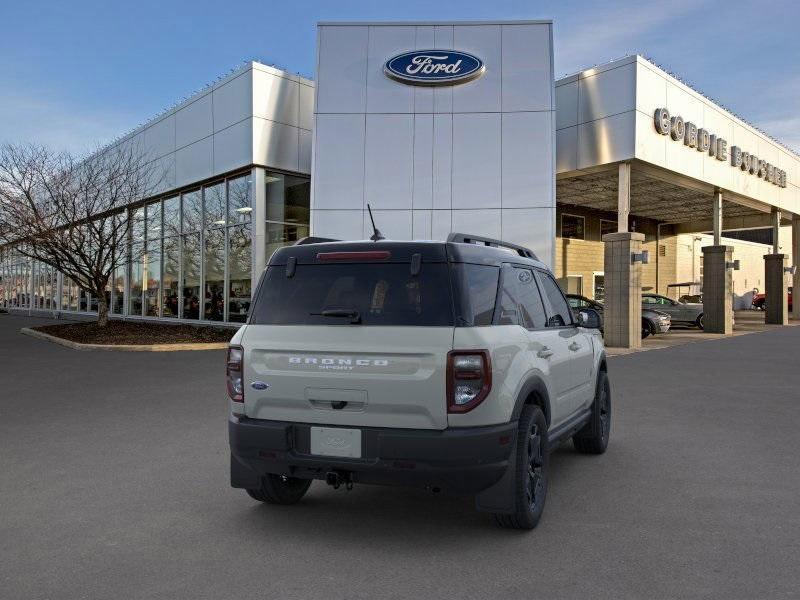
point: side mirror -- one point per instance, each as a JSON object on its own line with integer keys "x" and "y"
{"x": 589, "y": 318}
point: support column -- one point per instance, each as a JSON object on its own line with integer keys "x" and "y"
{"x": 258, "y": 198}
{"x": 623, "y": 197}
{"x": 776, "y": 231}
{"x": 622, "y": 314}
{"x": 776, "y": 290}
{"x": 717, "y": 290}
{"x": 796, "y": 263}
{"x": 717, "y": 217}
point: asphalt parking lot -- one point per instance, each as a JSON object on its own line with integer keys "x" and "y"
{"x": 113, "y": 484}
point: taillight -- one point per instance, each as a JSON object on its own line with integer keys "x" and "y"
{"x": 234, "y": 372}
{"x": 469, "y": 379}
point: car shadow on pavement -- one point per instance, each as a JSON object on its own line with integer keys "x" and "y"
{"x": 406, "y": 516}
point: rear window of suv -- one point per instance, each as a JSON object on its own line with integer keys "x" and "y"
{"x": 380, "y": 294}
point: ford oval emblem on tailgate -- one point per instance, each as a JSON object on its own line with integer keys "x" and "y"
{"x": 259, "y": 385}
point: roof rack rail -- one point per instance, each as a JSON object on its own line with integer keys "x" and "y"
{"x": 466, "y": 238}
{"x": 313, "y": 240}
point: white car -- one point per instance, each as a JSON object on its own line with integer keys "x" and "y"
{"x": 455, "y": 366}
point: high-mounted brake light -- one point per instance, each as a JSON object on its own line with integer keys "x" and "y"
{"x": 234, "y": 370}
{"x": 366, "y": 255}
{"x": 469, "y": 379}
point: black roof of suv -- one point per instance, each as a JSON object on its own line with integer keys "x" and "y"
{"x": 459, "y": 247}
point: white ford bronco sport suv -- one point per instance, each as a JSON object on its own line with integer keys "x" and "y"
{"x": 454, "y": 366}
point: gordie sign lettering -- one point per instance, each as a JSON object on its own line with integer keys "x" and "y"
{"x": 434, "y": 67}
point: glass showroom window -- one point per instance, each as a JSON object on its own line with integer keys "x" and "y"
{"x": 214, "y": 271}
{"x": 239, "y": 272}
{"x": 240, "y": 214}
{"x": 135, "y": 284}
{"x": 288, "y": 202}
{"x": 191, "y": 220}
{"x": 170, "y": 277}
{"x": 191, "y": 276}
{"x": 118, "y": 303}
{"x": 151, "y": 261}
{"x": 65, "y": 283}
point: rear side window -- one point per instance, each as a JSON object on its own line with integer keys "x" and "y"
{"x": 380, "y": 294}
{"x": 562, "y": 315}
{"x": 520, "y": 301}
{"x": 476, "y": 287}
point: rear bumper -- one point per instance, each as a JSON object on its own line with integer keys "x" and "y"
{"x": 462, "y": 460}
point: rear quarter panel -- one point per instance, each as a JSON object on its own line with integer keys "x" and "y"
{"x": 511, "y": 367}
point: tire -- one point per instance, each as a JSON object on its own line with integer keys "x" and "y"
{"x": 532, "y": 464}
{"x": 593, "y": 438}
{"x": 646, "y": 330}
{"x": 699, "y": 321}
{"x": 277, "y": 489}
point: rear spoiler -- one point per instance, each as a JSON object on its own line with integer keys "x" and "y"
{"x": 313, "y": 240}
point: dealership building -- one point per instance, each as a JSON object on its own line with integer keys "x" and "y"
{"x": 621, "y": 177}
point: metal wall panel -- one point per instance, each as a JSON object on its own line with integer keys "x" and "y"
{"x": 485, "y": 221}
{"x": 341, "y": 224}
{"x": 527, "y": 165}
{"x": 275, "y": 145}
{"x": 233, "y": 146}
{"x": 421, "y": 221}
{"x": 159, "y": 138}
{"x": 531, "y": 227}
{"x": 607, "y": 93}
{"x": 276, "y": 98}
{"x": 567, "y": 105}
{"x": 338, "y": 162}
{"x": 305, "y": 142}
{"x": 423, "y": 163}
{"x": 476, "y": 172}
{"x": 306, "y": 108}
{"x": 526, "y": 73}
{"x": 194, "y": 162}
{"x": 385, "y": 95}
{"x": 194, "y": 121}
{"x": 606, "y": 140}
{"x": 233, "y": 101}
{"x": 442, "y": 161}
{"x": 483, "y": 94}
{"x": 342, "y": 69}
{"x": 394, "y": 224}
{"x": 389, "y": 170}
{"x": 567, "y": 149}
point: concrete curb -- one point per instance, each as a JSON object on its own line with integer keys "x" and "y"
{"x": 124, "y": 347}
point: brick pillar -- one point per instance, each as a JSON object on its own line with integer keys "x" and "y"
{"x": 717, "y": 290}
{"x": 777, "y": 312}
{"x": 622, "y": 314}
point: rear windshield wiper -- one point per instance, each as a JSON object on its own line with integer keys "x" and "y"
{"x": 342, "y": 313}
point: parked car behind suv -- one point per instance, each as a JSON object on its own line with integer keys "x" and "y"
{"x": 453, "y": 366}
{"x": 681, "y": 313}
{"x": 653, "y": 321}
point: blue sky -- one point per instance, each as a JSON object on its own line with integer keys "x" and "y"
{"x": 75, "y": 74}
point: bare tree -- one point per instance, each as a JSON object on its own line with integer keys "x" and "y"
{"x": 70, "y": 213}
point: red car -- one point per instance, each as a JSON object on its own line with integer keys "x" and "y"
{"x": 760, "y": 300}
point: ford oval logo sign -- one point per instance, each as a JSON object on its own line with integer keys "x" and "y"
{"x": 434, "y": 67}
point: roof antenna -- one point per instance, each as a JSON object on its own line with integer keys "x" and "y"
{"x": 377, "y": 235}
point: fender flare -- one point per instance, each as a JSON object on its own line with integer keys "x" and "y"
{"x": 534, "y": 384}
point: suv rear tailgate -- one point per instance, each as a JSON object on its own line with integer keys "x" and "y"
{"x": 348, "y": 375}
